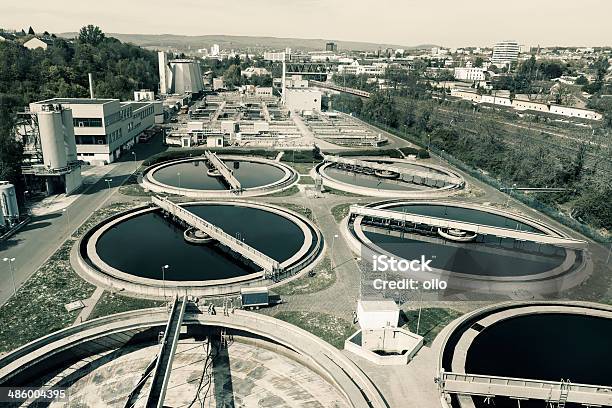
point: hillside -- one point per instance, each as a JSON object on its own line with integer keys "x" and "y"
{"x": 242, "y": 42}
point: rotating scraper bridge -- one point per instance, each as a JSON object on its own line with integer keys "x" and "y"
{"x": 222, "y": 168}
{"x": 403, "y": 218}
{"x": 412, "y": 175}
{"x": 269, "y": 265}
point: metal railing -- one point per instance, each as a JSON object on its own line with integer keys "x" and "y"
{"x": 468, "y": 226}
{"x": 258, "y": 257}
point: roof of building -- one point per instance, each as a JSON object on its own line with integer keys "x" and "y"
{"x": 378, "y": 305}
{"x": 77, "y": 101}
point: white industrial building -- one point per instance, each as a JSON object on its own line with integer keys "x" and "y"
{"x": 505, "y": 53}
{"x": 103, "y": 129}
{"x": 179, "y": 76}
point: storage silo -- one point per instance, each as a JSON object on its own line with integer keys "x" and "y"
{"x": 8, "y": 202}
{"x": 69, "y": 140}
{"x": 51, "y": 130}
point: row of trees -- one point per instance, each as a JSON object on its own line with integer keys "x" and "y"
{"x": 487, "y": 145}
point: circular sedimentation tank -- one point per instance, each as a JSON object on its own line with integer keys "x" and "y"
{"x": 129, "y": 250}
{"x": 196, "y": 178}
{"x": 534, "y": 341}
{"x": 419, "y": 180}
{"x": 469, "y": 261}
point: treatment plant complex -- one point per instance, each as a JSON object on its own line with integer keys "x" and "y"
{"x": 217, "y": 245}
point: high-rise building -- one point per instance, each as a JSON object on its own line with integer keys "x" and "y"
{"x": 505, "y": 53}
{"x": 214, "y": 50}
{"x": 331, "y": 46}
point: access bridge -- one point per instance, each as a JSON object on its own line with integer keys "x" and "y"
{"x": 555, "y": 392}
{"x": 409, "y": 218}
{"x": 222, "y": 168}
{"x": 268, "y": 264}
{"x": 415, "y": 176}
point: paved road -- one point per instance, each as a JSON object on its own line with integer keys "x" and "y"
{"x": 38, "y": 240}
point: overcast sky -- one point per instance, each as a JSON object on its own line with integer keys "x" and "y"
{"x": 407, "y": 22}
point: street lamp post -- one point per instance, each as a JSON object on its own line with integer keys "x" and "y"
{"x": 67, "y": 222}
{"x": 332, "y": 251}
{"x": 108, "y": 181}
{"x": 10, "y": 262}
{"x": 179, "y": 178}
{"x": 134, "y": 154}
{"x": 163, "y": 269}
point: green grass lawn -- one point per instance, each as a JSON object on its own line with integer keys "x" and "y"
{"x": 433, "y": 320}
{"x": 302, "y": 168}
{"x": 323, "y": 279}
{"x": 341, "y": 193}
{"x": 111, "y": 303}
{"x": 300, "y": 209}
{"x": 38, "y": 307}
{"x": 306, "y": 180}
{"x": 332, "y": 329}
{"x": 285, "y": 193}
{"x": 340, "y": 211}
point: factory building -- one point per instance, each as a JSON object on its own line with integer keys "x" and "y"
{"x": 59, "y": 134}
{"x": 179, "y": 76}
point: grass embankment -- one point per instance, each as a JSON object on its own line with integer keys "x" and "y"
{"x": 111, "y": 303}
{"x": 324, "y": 277}
{"x": 306, "y": 180}
{"x": 340, "y": 211}
{"x": 331, "y": 329}
{"x": 433, "y": 320}
{"x": 38, "y": 307}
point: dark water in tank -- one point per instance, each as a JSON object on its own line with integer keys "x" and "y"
{"x": 193, "y": 175}
{"x": 364, "y": 180}
{"x": 497, "y": 257}
{"x": 141, "y": 245}
{"x": 546, "y": 346}
{"x": 464, "y": 214}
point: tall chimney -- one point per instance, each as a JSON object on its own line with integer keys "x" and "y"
{"x": 91, "y": 93}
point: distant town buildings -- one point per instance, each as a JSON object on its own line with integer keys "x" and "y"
{"x": 331, "y": 46}
{"x": 470, "y": 74}
{"x": 214, "y": 50}
{"x": 255, "y": 71}
{"x": 505, "y": 53}
{"x": 525, "y": 105}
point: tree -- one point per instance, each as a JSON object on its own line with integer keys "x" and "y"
{"x": 31, "y": 31}
{"x": 91, "y": 34}
{"x": 231, "y": 76}
{"x": 562, "y": 94}
{"x": 478, "y": 62}
{"x": 582, "y": 80}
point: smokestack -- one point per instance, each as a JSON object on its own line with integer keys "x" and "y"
{"x": 91, "y": 94}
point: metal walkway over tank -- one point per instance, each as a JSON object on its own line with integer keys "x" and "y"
{"x": 163, "y": 366}
{"x": 268, "y": 264}
{"x": 222, "y": 168}
{"x": 480, "y": 229}
{"x": 520, "y": 388}
{"x": 413, "y": 175}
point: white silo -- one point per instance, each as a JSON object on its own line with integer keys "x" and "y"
{"x": 8, "y": 202}
{"x": 69, "y": 140}
{"x": 51, "y": 130}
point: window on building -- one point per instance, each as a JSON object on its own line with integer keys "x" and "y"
{"x": 87, "y": 122}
